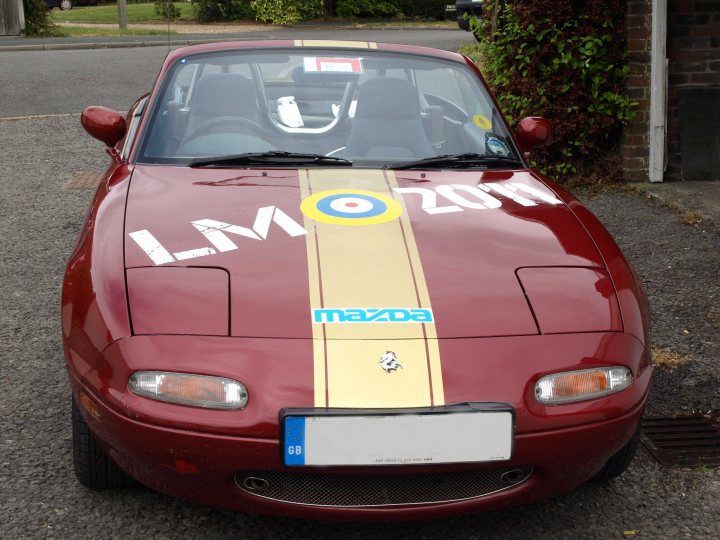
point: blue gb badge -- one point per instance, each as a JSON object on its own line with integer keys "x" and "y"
{"x": 294, "y": 441}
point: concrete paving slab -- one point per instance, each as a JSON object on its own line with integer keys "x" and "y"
{"x": 700, "y": 197}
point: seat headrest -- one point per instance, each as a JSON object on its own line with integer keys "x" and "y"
{"x": 387, "y": 98}
{"x": 224, "y": 94}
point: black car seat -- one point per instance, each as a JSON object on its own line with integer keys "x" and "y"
{"x": 387, "y": 122}
{"x": 223, "y": 95}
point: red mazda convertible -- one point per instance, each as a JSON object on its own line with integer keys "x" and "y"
{"x": 319, "y": 279}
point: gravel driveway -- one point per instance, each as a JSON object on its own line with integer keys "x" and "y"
{"x": 39, "y": 498}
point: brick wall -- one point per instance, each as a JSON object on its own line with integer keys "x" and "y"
{"x": 635, "y": 142}
{"x": 693, "y": 49}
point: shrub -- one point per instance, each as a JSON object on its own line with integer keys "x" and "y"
{"x": 565, "y": 60}
{"x": 167, "y": 9}
{"x": 287, "y": 11}
{"x": 365, "y": 8}
{"x": 427, "y": 9}
{"x": 38, "y": 21}
{"x": 222, "y": 10}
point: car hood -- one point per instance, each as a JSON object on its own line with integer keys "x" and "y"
{"x": 343, "y": 253}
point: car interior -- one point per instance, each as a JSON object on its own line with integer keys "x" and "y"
{"x": 368, "y": 109}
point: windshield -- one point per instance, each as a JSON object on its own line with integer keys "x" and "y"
{"x": 300, "y": 107}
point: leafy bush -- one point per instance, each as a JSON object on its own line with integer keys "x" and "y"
{"x": 167, "y": 9}
{"x": 222, "y": 10}
{"x": 365, "y": 8}
{"x": 38, "y": 21}
{"x": 287, "y": 11}
{"x": 564, "y": 60}
{"x": 389, "y": 8}
{"x": 427, "y": 9}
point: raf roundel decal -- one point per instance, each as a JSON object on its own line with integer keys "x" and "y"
{"x": 351, "y": 207}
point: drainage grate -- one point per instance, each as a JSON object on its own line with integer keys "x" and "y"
{"x": 685, "y": 441}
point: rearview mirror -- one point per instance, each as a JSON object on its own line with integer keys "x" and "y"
{"x": 103, "y": 124}
{"x": 533, "y": 132}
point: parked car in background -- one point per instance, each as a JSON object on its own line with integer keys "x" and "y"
{"x": 69, "y": 4}
{"x": 60, "y": 4}
{"x": 471, "y": 8}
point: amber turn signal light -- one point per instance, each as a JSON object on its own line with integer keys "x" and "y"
{"x": 189, "y": 389}
{"x": 572, "y": 386}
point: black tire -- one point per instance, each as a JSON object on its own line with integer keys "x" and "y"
{"x": 93, "y": 467}
{"x": 618, "y": 463}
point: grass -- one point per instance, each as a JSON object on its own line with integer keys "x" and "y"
{"x": 666, "y": 359}
{"x": 691, "y": 217}
{"x": 138, "y": 13}
{"x": 83, "y": 31}
{"x": 109, "y": 13}
{"x": 409, "y": 23}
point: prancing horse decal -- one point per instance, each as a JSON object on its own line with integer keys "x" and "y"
{"x": 389, "y": 362}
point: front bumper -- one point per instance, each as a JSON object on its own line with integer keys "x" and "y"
{"x": 209, "y": 469}
{"x": 202, "y": 455}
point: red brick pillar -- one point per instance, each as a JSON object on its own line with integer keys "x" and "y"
{"x": 634, "y": 147}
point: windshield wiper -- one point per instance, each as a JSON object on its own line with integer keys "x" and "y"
{"x": 455, "y": 161}
{"x": 274, "y": 157}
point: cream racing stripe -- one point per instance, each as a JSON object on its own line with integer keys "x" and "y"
{"x": 318, "y": 330}
{"x": 368, "y": 266}
{"x": 331, "y": 43}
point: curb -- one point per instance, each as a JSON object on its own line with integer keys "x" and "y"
{"x": 187, "y": 40}
{"x": 695, "y": 197}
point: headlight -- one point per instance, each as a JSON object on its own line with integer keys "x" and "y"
{"x": 581, "y": 385}
{"x": 187, "y": 389}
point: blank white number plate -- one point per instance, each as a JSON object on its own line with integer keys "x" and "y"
{"x": 402, "y": 439}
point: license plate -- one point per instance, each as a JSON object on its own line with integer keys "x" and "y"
{"x": 342, "y": 439}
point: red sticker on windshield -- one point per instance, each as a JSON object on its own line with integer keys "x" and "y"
{"x": 316, "y": 64}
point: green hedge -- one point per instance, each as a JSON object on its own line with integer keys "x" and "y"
{"x": 365, "y": 8}
{"x": 426, "y": 9}
{"x": 222, "y": 10}
{"x": 167, "y": 9}
{"x": 564, "y": 60}
{"x": 38, "y": 21}
{"x": 287, "y": 11}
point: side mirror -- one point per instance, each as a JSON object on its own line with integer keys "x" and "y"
{"x": 533, "y": 132}
{"x": 104, "y": 124}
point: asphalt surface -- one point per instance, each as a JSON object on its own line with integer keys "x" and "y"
{"x": 67, "y": 81}
{"x": 430, "y": 37}
{"x": 41, "y": 213}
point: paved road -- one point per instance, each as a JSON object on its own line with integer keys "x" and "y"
{"x": 57, "y": 82}
{"x": 40, "y": 216}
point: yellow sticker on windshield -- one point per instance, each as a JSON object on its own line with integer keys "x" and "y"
{"x": 483, "y": 122}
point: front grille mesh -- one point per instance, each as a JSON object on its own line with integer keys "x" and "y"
{"x": 354, "y": 490}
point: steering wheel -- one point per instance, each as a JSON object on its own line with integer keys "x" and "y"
{"x": 240, "y": 125}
